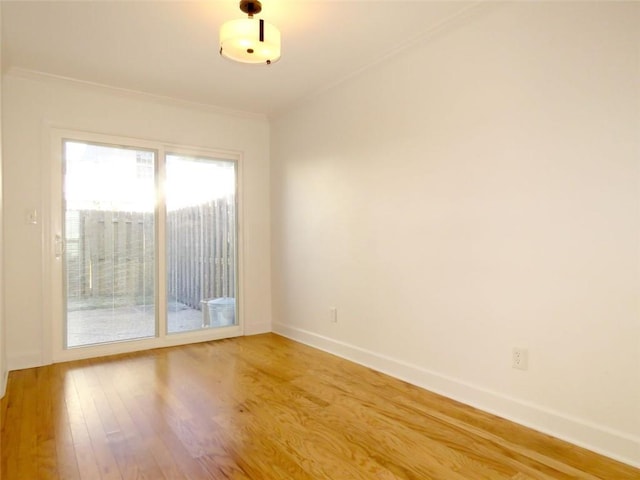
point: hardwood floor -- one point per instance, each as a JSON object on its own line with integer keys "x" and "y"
{"x": 261, "y": 407}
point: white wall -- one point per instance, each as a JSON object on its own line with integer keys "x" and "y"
{"x": 31, "y": 105}
{"x": 3, "y": 358}
{"x": 478, "y": 192}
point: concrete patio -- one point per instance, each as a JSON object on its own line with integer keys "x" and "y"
{"x": 87, "y": 326}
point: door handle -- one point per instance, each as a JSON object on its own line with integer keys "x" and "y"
{"x": 59, "y": 246}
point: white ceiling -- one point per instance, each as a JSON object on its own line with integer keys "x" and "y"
{"x": 171, "y": 48}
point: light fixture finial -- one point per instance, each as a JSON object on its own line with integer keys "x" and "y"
{"x": 250, "y": 7}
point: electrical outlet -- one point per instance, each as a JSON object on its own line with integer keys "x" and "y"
{"x": 333, "y": 314}
{"x": 520, "y": 358}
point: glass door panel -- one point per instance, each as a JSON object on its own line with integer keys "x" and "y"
{"x": 200, "y": 198}
{"x": 109, "y": 236}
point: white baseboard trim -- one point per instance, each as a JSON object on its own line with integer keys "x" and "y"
{"x": 257, "y": 328}
{"x": 34, "y": 358}
{"x": 611, "y": 443}
{"x": 3, "y": 384}
{"x": 24, "y": 360}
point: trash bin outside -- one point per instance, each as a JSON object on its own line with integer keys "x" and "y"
{"x": 206, "y": 321}
{"x": 220, "y": 312}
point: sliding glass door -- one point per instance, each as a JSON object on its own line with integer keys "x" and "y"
{"x": 109, "y": 234}
{"x": 201, "y": 242}
{"x": 147, "y": 244}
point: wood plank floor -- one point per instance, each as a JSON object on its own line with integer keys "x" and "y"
{"x": 261, "y": 407}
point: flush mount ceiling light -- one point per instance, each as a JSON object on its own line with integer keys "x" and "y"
{"x": 250, "y": 40}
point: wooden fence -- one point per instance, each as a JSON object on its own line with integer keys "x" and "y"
{"x": 201, "y": 252}
{"x": 110, "y": 255}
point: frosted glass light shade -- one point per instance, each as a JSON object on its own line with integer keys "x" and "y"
{"x": 241, "y": 40}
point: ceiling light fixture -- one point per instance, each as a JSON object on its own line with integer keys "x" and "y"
{"x": 250, "y": 40}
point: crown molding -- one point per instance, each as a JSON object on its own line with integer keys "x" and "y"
{"x": 453, "y": 21}
{"x": 36, "y": 75}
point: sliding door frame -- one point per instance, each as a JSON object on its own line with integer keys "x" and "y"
{"x": 53, "y": 266}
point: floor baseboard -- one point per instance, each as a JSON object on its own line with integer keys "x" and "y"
{"x": 600, "y": 439}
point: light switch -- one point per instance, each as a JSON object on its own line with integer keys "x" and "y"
{"x": 31, "y": 217}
